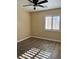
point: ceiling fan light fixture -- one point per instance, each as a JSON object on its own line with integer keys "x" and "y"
{"x": 34, "y": 8}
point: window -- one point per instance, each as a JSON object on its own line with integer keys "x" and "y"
{"x": 52, "y": 23}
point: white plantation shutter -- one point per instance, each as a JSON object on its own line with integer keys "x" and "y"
{"x": 52, "y": 23}
{"x": 56, "y": 22}
{"x": 48, "y": 23}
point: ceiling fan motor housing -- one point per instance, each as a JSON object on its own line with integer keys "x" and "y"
{"x": 35, "y": 2}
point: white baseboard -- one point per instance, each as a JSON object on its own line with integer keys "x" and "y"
{"x": 24, "y": 39}
{"x": 40, "y": 38}
{"x": 47, "y": 38}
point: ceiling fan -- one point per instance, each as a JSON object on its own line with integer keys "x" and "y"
{"x": 36, "y": 3}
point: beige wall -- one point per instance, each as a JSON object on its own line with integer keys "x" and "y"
{"x": 23, "y": 23}
{"x": 38, "y": 21}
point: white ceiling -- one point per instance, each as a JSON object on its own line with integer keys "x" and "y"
{"x": 51, "y": 4}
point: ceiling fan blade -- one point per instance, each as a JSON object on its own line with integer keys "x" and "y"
{"x": 30, "y": 1}
{"x": 42, "y": 2}
{"x": 41, "y": 6}
{"x": 27, "y": 5}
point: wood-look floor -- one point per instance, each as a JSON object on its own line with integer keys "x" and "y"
{"x": 50, "y": 46}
